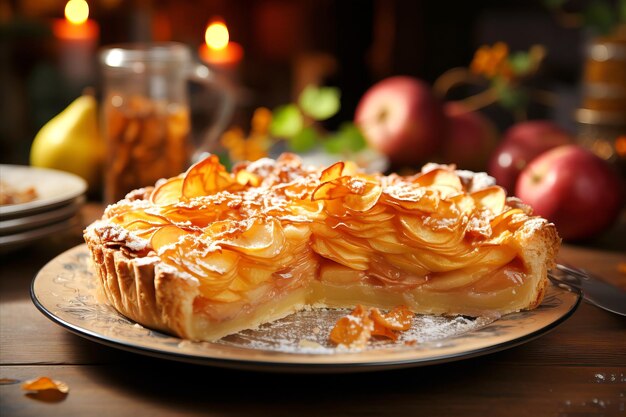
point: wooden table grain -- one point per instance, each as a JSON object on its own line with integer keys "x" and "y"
{"x": 578, "y": 369}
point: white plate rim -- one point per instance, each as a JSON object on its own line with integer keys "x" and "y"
{"x": 16, "y": 240}
{"x": 41, "y": 219}
{"x": 74, "y": 186}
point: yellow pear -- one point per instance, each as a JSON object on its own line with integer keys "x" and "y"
{"x": 71, "y": 142}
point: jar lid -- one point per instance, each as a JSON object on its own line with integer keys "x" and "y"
{"x": 135, "y": 55}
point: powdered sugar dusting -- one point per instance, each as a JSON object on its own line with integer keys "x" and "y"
{"x": 475, "y": 181}
{"x": 306, "y": 332}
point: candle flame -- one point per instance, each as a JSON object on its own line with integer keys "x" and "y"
{"x": 77, "y": 11}
{"x": 216, "y": 36}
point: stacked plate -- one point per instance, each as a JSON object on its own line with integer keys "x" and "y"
{"x": 59, "y": 196}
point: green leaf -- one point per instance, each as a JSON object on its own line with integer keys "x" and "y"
{"x": 225, "y": 160}
{"x": 334, "y": 145}
{"x": 304, "y": 141}
{"x": 621, "y": 5}
{"x": 600, "y": 17}
{"x": 286, "y": 121}
{"x": 511, "y": 97}
{"x": 347, "y": 139}
{"x": 520, "y": 62}
{"x": 320, "y": 103}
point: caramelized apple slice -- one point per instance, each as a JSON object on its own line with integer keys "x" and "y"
{"x": 226, "y": 296}
{"x": 167, "y": 192}
{"x": 330, "y": 191}
{"x": 332, "y": 172}
{"x": 400, "y": 318}
{"x": 219, "y": 262}
{"x": 415, "y": 229}
{"x": 510, "y": 275}
{"x": 247, "y": 178}
{"x": 505, "y": 218}
{"x": 464, "y": 203}
{"x": 440, "y": 262}
{"x": 215, "y": 270}
{"x": 364, "y": 232}
{"x": 445, "y": 181}
{"x": 139, "y": 217}
{"x": 359, "y": 194}
{"x": 388, "y": 243}
{"x": 254, "y": 275}
{"x": 497, "y": 256}
{"x": 351, "y": 258}
{"x": 166, "y": 235}
{"x": 297, "y": 232}
{"x": 364, "y": 196}
{"x": 382, "y": 331}
{"x": 405, "y": 263}
{"x": 375, "y": 219}
{"x": 353, "y": 330}
{"x": 206, "y": 177}
{"x": 492, "y": 198}
{"x": 263, "y": 239}
{"x": 422, "y": 200}
{"x": 335, "y": 273}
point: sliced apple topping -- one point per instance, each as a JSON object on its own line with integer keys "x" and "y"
{"x": 261, "y": 229}
{"x": 348, "y": 255}
{"x": 332, "y": 172}
{"x": 335, "y": 273}
{"x": 388, "y": 243}
{"x": 135, "y": 220}
{"x": 165, "y": 236}
{"x": 494, "y": 257}
{"x": 168, "y": 191}
{"x": 206, "y": 177}
{"x": 197, "y": 216}
{"x": 414, "y": 228}
{"x": 244, "y": 178}
{"x": 259, "y": 238}
{"x": 412, "y": 199}
{"x": 491, "y": 198}
{"x": 406, "y": 263}
{"x": 446, "y": 181}
{"x": 359, "y": 192}
{"x": 330, "y": 191}
{"x": 364, "y": 196}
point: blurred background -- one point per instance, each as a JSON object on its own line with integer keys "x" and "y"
{"x": 288, "y": 44}
{"x": 509, "y": 61}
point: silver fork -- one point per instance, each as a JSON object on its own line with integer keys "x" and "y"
{"x": 594, "y": 290}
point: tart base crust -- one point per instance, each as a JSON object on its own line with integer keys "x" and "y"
{"x": 147, "y": 291}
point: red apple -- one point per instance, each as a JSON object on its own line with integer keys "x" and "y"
{"x": 471, "y": 138}
{"x": 574, "y": 189}
{"x": 520, "y": 144}
{"x": 401, "y": 118}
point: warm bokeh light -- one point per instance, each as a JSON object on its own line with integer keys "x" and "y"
{"x": 620, "y": 146}
{"x": 77, "y": 11}
{"x": 216, "y": 36}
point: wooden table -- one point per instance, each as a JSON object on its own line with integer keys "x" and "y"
{"x": 578, "y": 369}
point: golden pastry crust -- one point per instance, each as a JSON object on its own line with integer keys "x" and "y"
{"x": 241, "y": 249}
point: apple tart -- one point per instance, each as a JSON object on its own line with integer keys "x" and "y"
{"x": 209, "y": 253}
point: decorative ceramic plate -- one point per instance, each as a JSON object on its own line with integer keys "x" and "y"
{"x": 53, "y": 188}
{"x": 65, "y": 291}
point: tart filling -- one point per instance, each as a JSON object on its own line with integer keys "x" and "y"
{"x": 209, "y": 253}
